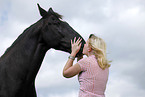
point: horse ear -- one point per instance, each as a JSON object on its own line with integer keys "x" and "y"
{"x": 42, "y": 11}
{"x": 50, "y": 10}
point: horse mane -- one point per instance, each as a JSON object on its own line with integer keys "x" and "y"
{"x": 58, "y": 15}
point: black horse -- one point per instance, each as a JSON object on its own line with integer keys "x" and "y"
{"x": 20, "y": 63}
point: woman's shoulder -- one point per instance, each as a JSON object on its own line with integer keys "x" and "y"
{"x": 84, "y": 63}
{"x": 85, "y": 60}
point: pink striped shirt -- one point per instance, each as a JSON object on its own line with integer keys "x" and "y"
{"x": 92, "y": 79}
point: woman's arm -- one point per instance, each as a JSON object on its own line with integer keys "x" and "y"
{"x": 71, "y": 70}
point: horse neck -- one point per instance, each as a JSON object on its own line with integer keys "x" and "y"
{"x": 26, "y": 53}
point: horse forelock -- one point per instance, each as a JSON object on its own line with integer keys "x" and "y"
{"x": 58, "y": 15}
{"x": 53, "y": 13}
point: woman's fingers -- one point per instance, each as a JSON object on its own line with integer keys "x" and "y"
{"x": 79, "y": 41}
{"x": 76, "y": 42}
{"x": 80, "y": 45}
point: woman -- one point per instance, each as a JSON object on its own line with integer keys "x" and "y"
{"x": 93, "y": 70}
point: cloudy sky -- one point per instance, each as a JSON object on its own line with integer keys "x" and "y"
{"x": 121, "y": 23}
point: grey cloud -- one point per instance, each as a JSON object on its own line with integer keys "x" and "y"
{"x": 25, "y": 12}
{"x": 3, "y": 11}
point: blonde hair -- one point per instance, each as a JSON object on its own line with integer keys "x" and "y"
{"x": 98, "y": 46}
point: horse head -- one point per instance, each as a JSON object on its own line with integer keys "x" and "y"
{"x": 57, "y": 33}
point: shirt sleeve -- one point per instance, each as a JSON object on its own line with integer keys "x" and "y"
{"x": 83, "y": 64}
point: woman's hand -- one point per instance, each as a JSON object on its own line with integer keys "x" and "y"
{"x": 69, "y": 69}
{"x": 75, "y": 46}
